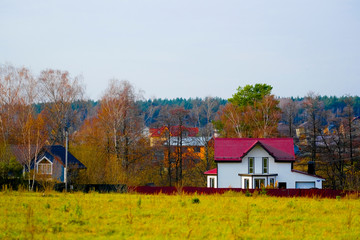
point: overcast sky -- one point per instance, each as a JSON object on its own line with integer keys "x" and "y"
{"x": 189, "y": 48}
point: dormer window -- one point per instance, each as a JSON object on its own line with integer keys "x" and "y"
{"x": 251, "y": 165}
{"x": 44, "y": 166}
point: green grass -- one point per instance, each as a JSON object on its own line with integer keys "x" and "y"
{"x": 132, "y": 216}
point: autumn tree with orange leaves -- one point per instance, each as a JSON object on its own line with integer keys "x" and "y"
{"x": 251, "y": 112}
{"x": 115, "y": 136}
{"x": 20, "y": 125}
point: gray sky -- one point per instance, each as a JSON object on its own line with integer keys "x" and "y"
{"x": 189, "y": 48}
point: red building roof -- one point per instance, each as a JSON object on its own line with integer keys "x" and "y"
{"x": 174, "y": 131}
{"x": 234, "y": 149}
{"x": 211, "y": 172}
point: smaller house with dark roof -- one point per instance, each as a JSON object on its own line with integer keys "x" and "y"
{"x": 258, "y": 162}
{"x": 50, "y": 164}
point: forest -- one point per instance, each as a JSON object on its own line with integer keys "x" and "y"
{"x": 110, "y": 136}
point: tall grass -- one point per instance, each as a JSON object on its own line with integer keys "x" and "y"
{"x": 232, "y": 215}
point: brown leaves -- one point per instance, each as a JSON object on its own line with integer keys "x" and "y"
{"x": 258, "y": 120}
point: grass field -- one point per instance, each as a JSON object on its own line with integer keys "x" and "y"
{"x": 132, "y": 216}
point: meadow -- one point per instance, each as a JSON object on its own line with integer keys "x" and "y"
{"x": 54, "y": 215}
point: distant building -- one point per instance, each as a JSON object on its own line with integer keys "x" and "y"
{"x": 158, "y": 135}
{"x": 50, "y": 163}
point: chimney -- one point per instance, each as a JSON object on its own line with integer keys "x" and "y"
{"x": 311, "y": 167}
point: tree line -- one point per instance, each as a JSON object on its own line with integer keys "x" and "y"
{"x": 110, "y": 135}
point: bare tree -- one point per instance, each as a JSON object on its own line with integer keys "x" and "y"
{"x": 314, "y": 110}
{"x": 166, "y": 121}
{"x": 11, "y": 93}
{"x": 289, "y": 111}
{"x": 208, "y": 108}
{"x": 19, "y": 93}
{"x": 123, "y": 124}
{"x": 179, "y": 115}
{"x": 59, "y": 90}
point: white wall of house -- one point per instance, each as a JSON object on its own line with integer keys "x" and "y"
{"x": 228, "y": 175}
{"x": 258, "y": 153}
{"x": 212, "y": 179}
{"x": 303, "y": 179}
{"x": 228, "y": 172}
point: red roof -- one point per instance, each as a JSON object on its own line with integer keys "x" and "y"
{"x": 211, "y": 172}
{"x": 234, "y": 149}
{"x": 174, "y": 131}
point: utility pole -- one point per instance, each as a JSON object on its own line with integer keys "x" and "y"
{"x": 66, "y": 159}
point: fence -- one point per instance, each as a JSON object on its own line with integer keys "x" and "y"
{"x": 321, "y": 193}
{"x": 122, "y": 188}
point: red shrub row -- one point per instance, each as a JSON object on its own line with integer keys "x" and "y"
{"x": 321, "y": 193}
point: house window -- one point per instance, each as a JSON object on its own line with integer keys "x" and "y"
{"x": 197, "y": 149}
{"x": 246, "y": 183}
{"x": 44, "y": 167}
{"x": 251, "y": 165}
{"x": 265, "y": 165}
{"x": 259, "y": 182}
{"x": 282, "y": 185}
{"x": 212, "y": 182}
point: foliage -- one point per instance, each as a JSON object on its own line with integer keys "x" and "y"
{"x": 250, "y": 94}
{"x": 59, "y": 91}
{"x": 10, "y": 168}
{"x": 109, "y": 136}
{"x": 252, "y": 112}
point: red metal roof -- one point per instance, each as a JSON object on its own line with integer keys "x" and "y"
{"x": 174, "y": 131}
{"x": 211, "y": 172}
{"x": 234, "y": 149}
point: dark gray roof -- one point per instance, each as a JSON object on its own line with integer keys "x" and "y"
{"x": 58, "y": 152}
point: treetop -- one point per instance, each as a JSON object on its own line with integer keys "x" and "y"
{"x": 250, "y": 93}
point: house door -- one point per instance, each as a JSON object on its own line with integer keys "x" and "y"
{"x": 212, "y": 182}
{"x": 259, "y": 182}
{"x": 246, "y": 183}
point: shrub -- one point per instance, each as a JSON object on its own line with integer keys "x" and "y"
{"x": 195, "y": 201}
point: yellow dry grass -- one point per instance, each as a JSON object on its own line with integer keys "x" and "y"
{"x": 54, "y": 215}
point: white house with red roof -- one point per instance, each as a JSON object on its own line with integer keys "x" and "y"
{"x": 256, "y": 162}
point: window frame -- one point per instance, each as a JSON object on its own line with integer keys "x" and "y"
{"x": 197, "y": 149}
{"x": 251, "y": 169}
{"x": 212, "y": 182}
{"x": 246, "y": 183}
{"x": 41, "y": 166}
{"x": 272, "y": 182}
{"x": 265, "y": 169}
{"x": 259, "y": 179}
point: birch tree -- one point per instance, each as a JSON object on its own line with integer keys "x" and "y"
{"x": 58, "y": 91}
{"x": 123, "y": 126}
{"x": 251, "y": 112}
{"x": 22, "y": 127}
